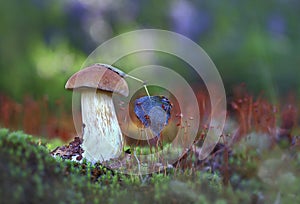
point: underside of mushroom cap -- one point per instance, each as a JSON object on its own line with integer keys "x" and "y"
{"x": 99, "y": 77}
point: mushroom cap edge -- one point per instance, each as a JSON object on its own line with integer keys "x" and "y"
{"x": 99, "y": 77}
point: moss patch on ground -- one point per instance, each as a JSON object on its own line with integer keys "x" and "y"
{"x": 30, "y": 175}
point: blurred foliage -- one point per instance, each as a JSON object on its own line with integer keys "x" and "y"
{"x": 44, "y": 42}
{"x": 35, "y": 58}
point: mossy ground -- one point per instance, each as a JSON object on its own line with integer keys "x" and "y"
{"x": 30, "y": 175}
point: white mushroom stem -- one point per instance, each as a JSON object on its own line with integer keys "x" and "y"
{"x": 102, "y": 136}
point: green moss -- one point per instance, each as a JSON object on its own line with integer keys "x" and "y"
{"x": 30, "y": 175}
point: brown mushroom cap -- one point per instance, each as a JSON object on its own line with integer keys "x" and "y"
{"x": 99, "y": 77}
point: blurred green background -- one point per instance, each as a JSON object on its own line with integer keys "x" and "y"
{"x": 43, "y": 42}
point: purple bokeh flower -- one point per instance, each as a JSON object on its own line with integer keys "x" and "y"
{"x": 189, "y": 21}
{"x": 75, "y": 10}
{"x": 276, "y": 25}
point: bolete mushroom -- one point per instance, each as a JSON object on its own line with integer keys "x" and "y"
{"x": 102, "y": 136}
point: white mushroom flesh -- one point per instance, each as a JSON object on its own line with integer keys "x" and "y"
{"x": 102, "y": 136}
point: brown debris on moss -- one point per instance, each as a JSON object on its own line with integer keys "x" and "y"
{"x": 70, "y": 151}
